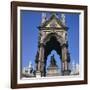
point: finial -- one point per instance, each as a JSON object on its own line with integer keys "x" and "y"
{"x": 54, "y": 14}
{"x": 43, "y": 17}
{"x": 63, "y": 18}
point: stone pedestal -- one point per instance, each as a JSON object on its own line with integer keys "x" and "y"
{"x": 52, "y": 69}
{"x": 66, "y": 72}
{"x": 38, "y": 74}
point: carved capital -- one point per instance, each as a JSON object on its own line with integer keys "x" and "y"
{"x": 64, "y": 45}
{"x": 41, "y": 45}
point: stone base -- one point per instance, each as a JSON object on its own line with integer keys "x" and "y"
{"x": 38, "y": 74}
{"x": 66, "y": 72}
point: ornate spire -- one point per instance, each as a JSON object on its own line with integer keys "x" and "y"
{"x": 30, "y": 64}
{"x": 43, "y": 17}
{"x": 63, "y": 19}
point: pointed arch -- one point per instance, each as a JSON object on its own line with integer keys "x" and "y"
{"x": 48, "y": 36}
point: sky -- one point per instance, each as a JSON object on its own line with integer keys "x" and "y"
{"x": 30, "y": 20}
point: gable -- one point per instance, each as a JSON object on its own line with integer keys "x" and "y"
{"x": 53, "y": 23}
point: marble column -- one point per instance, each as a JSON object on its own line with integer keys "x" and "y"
{"x": 41, "y": 59}
{"x": 65, "y": 70}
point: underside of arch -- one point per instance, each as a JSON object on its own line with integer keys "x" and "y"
{"x": 50, "y": 45}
